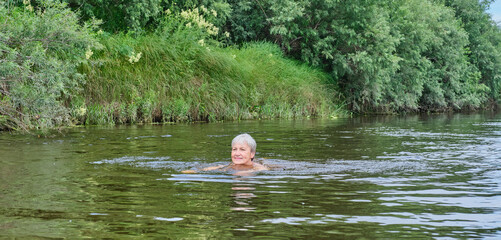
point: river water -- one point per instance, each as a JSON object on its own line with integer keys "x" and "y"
{"x": 433, "y": 177}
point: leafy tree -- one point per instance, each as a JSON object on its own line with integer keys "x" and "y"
{"x": 384, "y": 56}
{"x": 142, "y": 15}
{"x": 434, "y": 72}
{"x": 484, "y": 41}
{"x": 350, "y": 39}
{"x": 248, "y": 21}
{"x": 119, "y": 15}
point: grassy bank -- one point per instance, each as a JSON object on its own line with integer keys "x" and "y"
{"x": 158, "y": 79}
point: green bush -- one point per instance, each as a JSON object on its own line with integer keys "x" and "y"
{"x": 40, "y": 49}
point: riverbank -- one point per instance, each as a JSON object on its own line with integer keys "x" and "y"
{"x": 156, "y": 79}
{"x": 184, "y": 62}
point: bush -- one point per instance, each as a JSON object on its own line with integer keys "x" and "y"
{"x": 40, "y": 49}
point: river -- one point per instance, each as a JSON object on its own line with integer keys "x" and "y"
{"x": 386, "y": 177}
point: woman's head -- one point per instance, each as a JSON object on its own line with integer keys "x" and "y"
{"x": 243, "y": 149}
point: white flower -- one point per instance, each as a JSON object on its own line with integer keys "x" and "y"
{"x": 88, "y": 53}
{"x": 81, "y": 111}
{"x": 134, "y": 58}
{"x": 184, "y": 14}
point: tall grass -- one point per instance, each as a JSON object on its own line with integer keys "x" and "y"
{"x": 178, "y": 78}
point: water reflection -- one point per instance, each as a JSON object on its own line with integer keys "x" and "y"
{"x": 243, "y": 193}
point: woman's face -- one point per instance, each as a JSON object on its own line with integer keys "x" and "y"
{"x": 241, "y": 154}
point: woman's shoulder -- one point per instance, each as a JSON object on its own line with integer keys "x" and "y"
{"x": 259, "y": 167}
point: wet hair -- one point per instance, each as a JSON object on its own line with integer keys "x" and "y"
{"x": 245, "y": 138}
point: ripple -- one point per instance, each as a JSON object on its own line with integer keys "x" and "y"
{"x": 175, "y": 219}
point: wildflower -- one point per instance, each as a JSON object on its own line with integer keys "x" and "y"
{"x": 88, "y": 53}
{"x": 184, "y": 14}
{"x": 81, "y": 111}
{"x": 214, "y": 12}
{"x": 134, "y": 58}
{"x": 194, "y": 17}
{"x": 201, "y": 42}
{"x": 208, "y": 49}
{"x": 28, "y": 6}
{"x": 234, "y": 56}
{"x": 213, "y": 31}
{"x": 167, "y": 12}
{"x": 227, "y": 34}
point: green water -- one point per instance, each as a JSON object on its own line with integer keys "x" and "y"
{"x": 383, "y": 177}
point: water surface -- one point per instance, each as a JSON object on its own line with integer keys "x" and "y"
{"x": 435, "y": 176}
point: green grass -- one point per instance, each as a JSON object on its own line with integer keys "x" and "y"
{"x": 177, "y": 79}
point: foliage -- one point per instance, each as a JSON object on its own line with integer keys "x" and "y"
{"x": 143, "y": 15}
{"x": 350, "y": 39}
{"x": 484, "y": 41}
{"x": 248, "y": 21}
{"x": 40, "y": 48}
{"x": 178, "y": 79}
{"x": 434, "y": 73}
{"x": 384, "y": 56}
{"x": 171, "y": 60}
{"x": 120, "y": 15}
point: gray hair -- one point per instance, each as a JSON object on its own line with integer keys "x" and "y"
{"x": 245, "y": 138}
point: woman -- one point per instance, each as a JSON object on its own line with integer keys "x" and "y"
{"x": 243, "y": 150}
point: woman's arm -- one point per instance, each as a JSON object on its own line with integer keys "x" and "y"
{"x": 204, "y": 169}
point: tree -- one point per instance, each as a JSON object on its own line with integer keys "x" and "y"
{"x": 484, "y": 41}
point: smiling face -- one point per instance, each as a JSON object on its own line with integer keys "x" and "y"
{"x": 241, "y": 154}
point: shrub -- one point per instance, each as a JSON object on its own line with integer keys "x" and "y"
{"x": 40, "y": 49}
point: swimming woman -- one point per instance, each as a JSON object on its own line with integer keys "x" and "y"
{"x": 243, "y": 150}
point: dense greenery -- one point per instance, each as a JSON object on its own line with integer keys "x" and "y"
{"x": 388, "y": 56}
{"x": 40, "y": 50}
{"x": 170, "y": 60}
{"x": 178, "y": 79}
{"x": 385, "y": 56}
{"x": 179, "y": 72}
